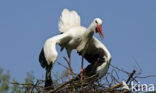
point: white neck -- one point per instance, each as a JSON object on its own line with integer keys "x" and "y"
{"x": 90, "y": 31}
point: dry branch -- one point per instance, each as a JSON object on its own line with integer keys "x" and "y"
{"x": 120, "y": 84}
{"x": 111, "y": 83}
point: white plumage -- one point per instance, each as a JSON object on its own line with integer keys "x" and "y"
{"x": 68, "y": 19}
{"x": 76, "y": 37}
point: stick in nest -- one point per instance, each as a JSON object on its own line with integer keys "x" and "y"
{"x": 120, "y": 84}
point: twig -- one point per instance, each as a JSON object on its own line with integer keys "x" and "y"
{"x": 120, "y": 83}
{"x": 62, "y": 65}
{"x": 16, "y": 83}
{"x": 131, "y": 76}
{"x": 34, "y": 86}
{"x": 117, "y": 85}
{"x": 67, "y": 68}
{"x": 145, "y": 76}
{"x": 62, "y": 85}
{"x": 67, "y": 63}
{"x": 26, "y": 84}
{"x": 119, "y": 69}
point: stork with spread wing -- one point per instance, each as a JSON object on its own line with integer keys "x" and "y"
{"x": 75, "y": 36}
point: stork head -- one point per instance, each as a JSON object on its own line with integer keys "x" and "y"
{"x": 98, "y": 27}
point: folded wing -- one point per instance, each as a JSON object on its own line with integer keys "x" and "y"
{"x": 98, "y": 55}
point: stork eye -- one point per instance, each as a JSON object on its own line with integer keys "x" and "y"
{"x": 96, "y": 21}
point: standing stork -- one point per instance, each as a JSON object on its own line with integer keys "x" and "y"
{"x": 76, "y": 37}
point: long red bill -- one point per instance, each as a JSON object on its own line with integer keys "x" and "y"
{"x": 99, "y": 28}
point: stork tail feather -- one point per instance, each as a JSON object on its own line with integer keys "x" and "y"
{"x": 68, "y": 19}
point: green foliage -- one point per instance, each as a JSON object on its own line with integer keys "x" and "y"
{"x": 29, "y": 80}
{"x": 9, "y": 85}
{"x": 4, "y": 81}
{"x": 15, "y": 88}
{"x": 6, "y": 86}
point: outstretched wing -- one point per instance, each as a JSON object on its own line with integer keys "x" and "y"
{"x": 68, "y": 19}
{"x": 48, "y": 53}
{"x": 98, "y": 55}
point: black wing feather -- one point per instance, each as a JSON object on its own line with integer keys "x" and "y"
{"x": 42, "y": 59}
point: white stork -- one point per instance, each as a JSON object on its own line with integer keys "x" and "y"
{"x": 75, "y": 36}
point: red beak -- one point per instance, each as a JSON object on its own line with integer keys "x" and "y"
{"x": 99, "y": 29}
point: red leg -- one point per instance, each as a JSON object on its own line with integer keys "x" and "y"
{"x": 69, "y": 69}
{"x": 82, "y": 69}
